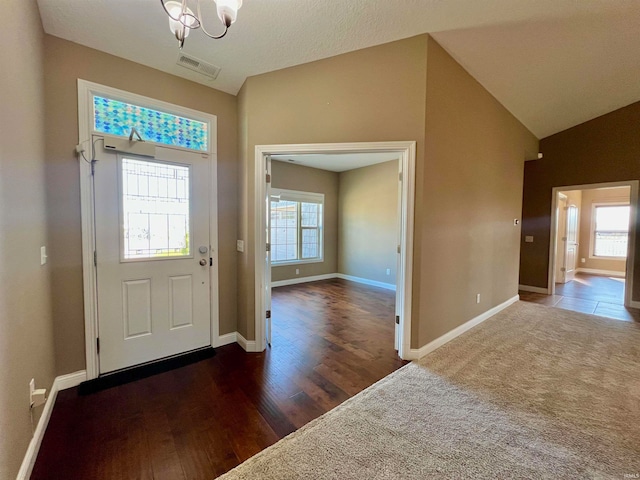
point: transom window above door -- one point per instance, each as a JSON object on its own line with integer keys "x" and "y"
{"x": 114, "y": 117}
{"x": 296, "y": 227}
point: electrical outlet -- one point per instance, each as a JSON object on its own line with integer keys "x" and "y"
{"x": 478, "y": 298}
{"x": 388, "y": 271}
{"x": 583, "y": 260}
{"x": 297, "y": 271}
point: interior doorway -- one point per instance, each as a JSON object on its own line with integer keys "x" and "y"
{"x": 592, "y": 248}
{"x": 333, "y": 237}
{"x": 405, "y": 152}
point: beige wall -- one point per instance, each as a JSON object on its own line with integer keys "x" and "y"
{"x": 605, "y": 149}
{"x": 348, "y": 98}
{"x": 26, "y": 336}
{"x": 368, "y": 222}
{"x": 472, "y": 184}
{"x": 469, "y": 176}
{"x": 591, "y": 197}
{"x": 65, "y": 62}
{"x": 306, "y": 179}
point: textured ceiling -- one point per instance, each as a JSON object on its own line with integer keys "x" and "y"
{"x": 552, "y": 63}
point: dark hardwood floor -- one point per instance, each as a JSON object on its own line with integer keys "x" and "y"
{"x": 599, "y": 295}
{"x": 331, "y": 339}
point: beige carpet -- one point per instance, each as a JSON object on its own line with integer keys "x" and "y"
{"x": 534, "y": 392}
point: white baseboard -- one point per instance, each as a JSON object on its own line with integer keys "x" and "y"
{"x": 247, "y": 345}
{"x": 60, "y": 383}
{"x": 374, "y": 283}
{"x": 417, "y": 353}
{"x": 528, "y": 288}
{"x": 294, "y": 281}
{"x": 227, "y": 338}
{"x": 596, "y": 271}
{"x": 70, "y": 380}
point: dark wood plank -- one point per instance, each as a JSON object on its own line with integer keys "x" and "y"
{"x": 331, "y": 339}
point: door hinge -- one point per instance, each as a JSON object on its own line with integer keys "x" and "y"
{"x": 268, "y": 247}
{"x": 268, "y": 313}
{"x": 268, "y": 178}
{"x": 398, "y": 248}
{"x": 398, "y": 319}
{"x": 563, "y": 269}
{"x": 95, "y": 258}
{"x": 400, "y": 176}
{"x": 98, "y": 344}
{"x": 211, "y": 261}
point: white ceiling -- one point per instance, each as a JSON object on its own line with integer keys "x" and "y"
{"x": 552, "y": 63}
{"x": 337, "y": 162}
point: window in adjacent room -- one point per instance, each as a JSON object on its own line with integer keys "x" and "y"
{"x": 296, "y": 227}
{"x": 610, "y": 230}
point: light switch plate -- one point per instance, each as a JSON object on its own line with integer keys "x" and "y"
{"x": 43, "y": 255}
{"x": 240, "y": 245}
{"x": 528, "y": 238}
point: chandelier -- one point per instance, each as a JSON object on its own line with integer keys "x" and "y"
{"x": 182, "y": 19}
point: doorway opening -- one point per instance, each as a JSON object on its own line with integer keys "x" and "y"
{"x": 149, "y": 228}
{"x": 299, "y": 249}
{"x": 333, "y": 247}
{"x": 592, "y": 249}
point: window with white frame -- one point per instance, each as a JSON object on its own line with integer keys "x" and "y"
{"x": 296, "y": 226}
{"x": 610, "y": 230}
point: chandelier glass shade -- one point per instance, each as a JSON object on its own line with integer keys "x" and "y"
{"x": 182, "y": 18}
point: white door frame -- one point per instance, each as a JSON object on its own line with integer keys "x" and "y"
{"x": 633, "y": 203}
{"x": 407, "y": 154}
{"x": 89, "y": 277}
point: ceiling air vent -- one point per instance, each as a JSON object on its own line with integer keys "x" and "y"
{"x": 197, "y": 65}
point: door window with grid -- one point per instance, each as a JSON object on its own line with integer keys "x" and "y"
{"x": 296, "y": 226}
{"x": 610, "y": 230}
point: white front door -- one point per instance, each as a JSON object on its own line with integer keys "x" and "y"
{"x": 152, "y": 255}
{"x": 571, "y": 244}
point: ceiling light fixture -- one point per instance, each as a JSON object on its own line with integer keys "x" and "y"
{"x": 182, "y": 19}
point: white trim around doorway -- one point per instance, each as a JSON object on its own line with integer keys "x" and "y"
{"x": 89, "y": 276}
{"x": 407, "y": 154}
{"x": 633, "y": 201}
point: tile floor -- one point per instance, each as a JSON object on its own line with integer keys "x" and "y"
{"x": 594, "y": 294}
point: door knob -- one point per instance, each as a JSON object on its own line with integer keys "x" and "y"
{"x": 203, "y": 261}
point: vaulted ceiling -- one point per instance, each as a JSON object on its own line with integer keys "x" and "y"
{"x": 552, "y": 63}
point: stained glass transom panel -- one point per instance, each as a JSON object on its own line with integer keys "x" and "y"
{"x": 114, "y": 117}
{"x": 155, "y": 209}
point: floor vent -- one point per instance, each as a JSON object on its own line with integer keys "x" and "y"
{"x": 197, "y": 65}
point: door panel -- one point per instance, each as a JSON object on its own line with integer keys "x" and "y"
{"x": 153, "y": 248}
{"x": 561, "y": 230}
{"x": 181, "y": 301}
{"x": 571, "y": 243}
